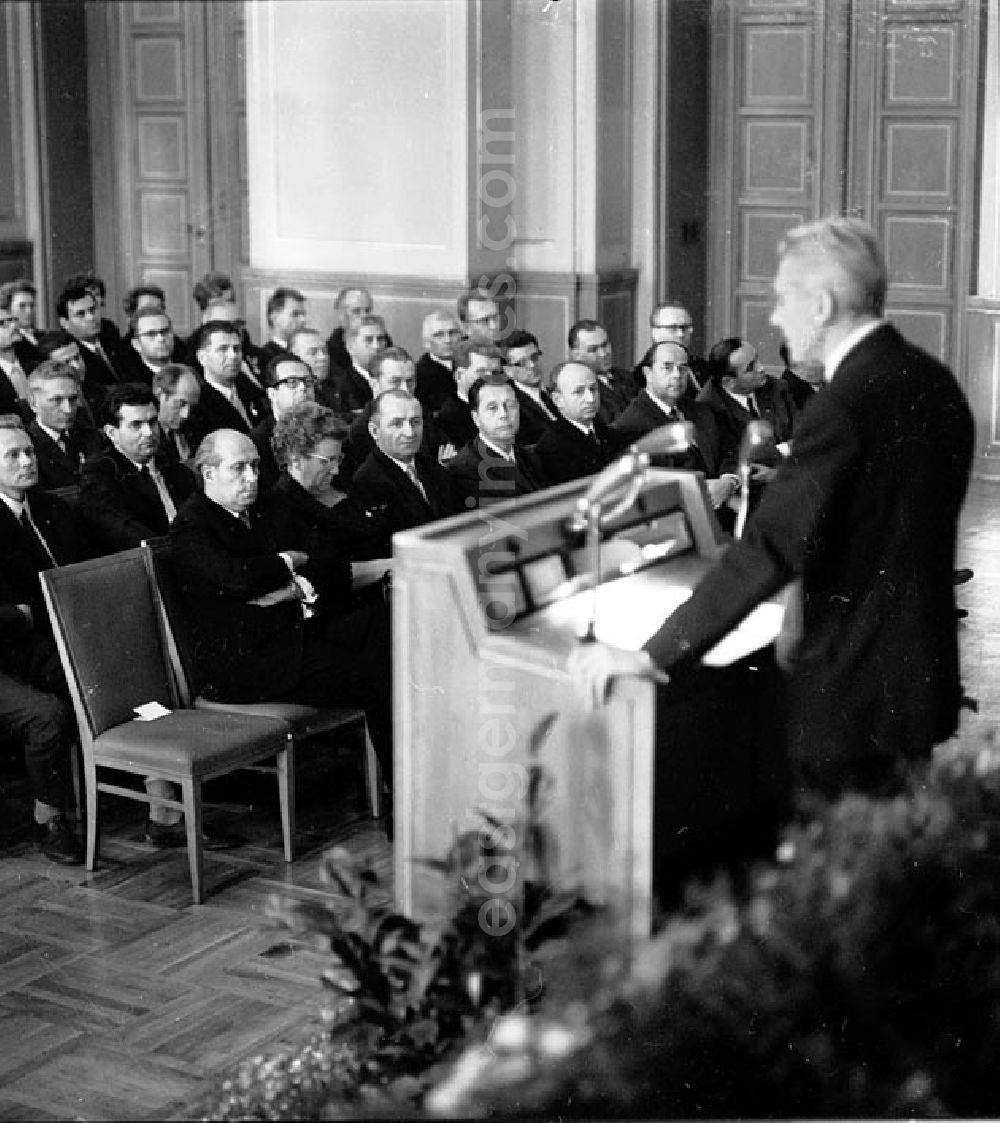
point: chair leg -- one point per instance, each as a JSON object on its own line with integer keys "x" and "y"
{"x": 90, "y": 787}
{"x": 373, "y": 777}
{"x": 286, "y": 797}
{"x": 74, "y": 767}
{"x": 191, "y": 795}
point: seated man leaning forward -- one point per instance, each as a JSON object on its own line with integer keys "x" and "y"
{"x": 269, "y": 620}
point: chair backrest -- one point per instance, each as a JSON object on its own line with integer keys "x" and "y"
{"x": 175, "y": 618}
{"x": 107, "y": 626}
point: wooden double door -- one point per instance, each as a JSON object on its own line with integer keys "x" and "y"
{"x": 168, "y": 127}
{"x": 863, "y": 106}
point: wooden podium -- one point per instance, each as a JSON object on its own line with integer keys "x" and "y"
{"x": 486, "y": 608}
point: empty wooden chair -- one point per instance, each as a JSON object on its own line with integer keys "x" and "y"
{"x": 108, "y": 629}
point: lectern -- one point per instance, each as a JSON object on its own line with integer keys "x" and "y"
{"x": 486, "y": 609}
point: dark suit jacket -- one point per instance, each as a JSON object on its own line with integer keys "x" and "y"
{"x": 864, "y": 512}
{"x": 96, "y": 370}
{"x": 774, "y": 404}
{"x": 534, "y": 421}
{"x": 21, "y": 560}
{"x": 9, "y": 401}
{"x": 214, "y": 411}
{"x": 435, "y": 383}
{"x": 482, "y": 478}
{"x": 348, "y": 528}
{"x": 454, "y": 420}
{"x": 643, "y": 416}
{"x": 28, "y": 354}
{"x": 616, "y": 396}
{"x": 800, "y": 391}
{"x": 359, "y": 442}
{"x": 121, "y": 505}
{"x": 261, "y": 435}
{"x": 337, "y": 349}
{"x": 242, "y": 652}
{"x": 379, "y": 483}
{"x": 268, "y": 351}
{"x": 352, "y": 389}
{"x": 62, "y": 469}
{"x": 567, "y": 454}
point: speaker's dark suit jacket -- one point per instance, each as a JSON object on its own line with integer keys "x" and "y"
{"x": 380, "y": 483}
{"x": 21, "y": 560}
{"x": 864, "y": 512}
{"x": 242, "y": 652}
{"x": 800, "y": 391}
{"x": 435, "y": 383}
{"x": 120, "y": 503}
{"x": 62, "y": 469}
{"x": 565, "y": 453}
{"x": 215, "y": 412}
{"x": 644, "y": 415}
{"x": 483, "y": 478}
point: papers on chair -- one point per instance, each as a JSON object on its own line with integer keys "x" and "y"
{"x": 150, "y": 711}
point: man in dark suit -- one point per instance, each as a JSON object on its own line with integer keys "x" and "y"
{"x": 229, "y": 400}
{"x": 435, "y": 367}
{"x": 286, "y": 313}
{"x": 578, "y": 443}
{"x": 352, "y": 305}
{"x": 37, "y": 531}
{"x": 671, "y": 322}
{"x": 177, "y": 392}
{"x": 61, "y": 438}
{"x": 127, "y": 495}
{"x": 270, "y": 622}
{"x": 289, "y": 381}
{"x": 148, "y": 346}
{"x": 412, "y": 490}
{"x": 79, "y": 316}
{"x": 352, "y": 383}
{"x": 662, "y": 400}
{"x": 492, "y": 467}
{"x": 864, "y": 514}
{"x": 589, "y": 344}
{"x": 472, "y": 358}
{"x": 21, "y": 298}
{"x": 523, "y": 364}
{"x": 13, "y": 378}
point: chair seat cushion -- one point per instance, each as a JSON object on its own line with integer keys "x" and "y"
{"x": 189, "y": 743}
{"x": 301, "y": 720}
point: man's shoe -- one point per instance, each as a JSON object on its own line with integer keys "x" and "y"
{"x": 58, "y": 843}
{"x": 171, "y": 836}
{"x": 960, "y": 576}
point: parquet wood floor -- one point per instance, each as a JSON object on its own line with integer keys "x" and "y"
{"x": 121, "y": 1000}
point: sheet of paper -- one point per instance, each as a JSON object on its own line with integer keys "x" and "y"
{"x": 150, "y": 711}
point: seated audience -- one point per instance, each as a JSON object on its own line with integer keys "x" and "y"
{"x": 79, "y": 314}
{"x": 364, "y": 338}
{"x": 150, "y": 340}
{"x": 802, "y": 379}
{"x": 271, "y": 622}
{"x": 479, "y": 315}
{"x": 473, "y": 358}
{"x": 412, "y": 490}
{"x": 37, "y": 531}
{"x": 289, "y": 381}
{"x": 62, "y": 441}
{"x": 286, "y": 313}
{"x": 664, "y": 399}
{"x": 14, "y": 392}
{"x": 671, "y": 322}
{"x": 229, "y": 400}
{"x": 523, "y": 364}
{"x": 392, "y": 369}
{"x": 308, "y": 441}
{"x": 435, "y": 377}
{"x": 21, "y": 297}
{"x": 307, "y": 344}
{"x": 492, "y": 467}
{"x": 216, "y": 300}
{"x": 577, "y": 443}
{"x": 177, "y": 392}
{"x": 589, "y": 344}
{"x": 108, "y": 333}
{"x": 127, "y": 493}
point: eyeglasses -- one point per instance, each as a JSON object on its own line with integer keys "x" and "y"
{"x": 325, "y": 459}
{"x": 296, "y": 382}
{"x": 525, "y": 360}
{"x": 152, "y": 333}
{"x": 674, "y": 327}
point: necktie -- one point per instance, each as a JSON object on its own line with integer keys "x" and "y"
{"x": 104, "y": 355}
{"x": 35, "y": 535}
{"x": 752, "y": 406}
{"x": 237, "y": 403}
{"x": 161, "y": 486}
{"x": 415, "y": 480}
{"x": 19, "y": 380}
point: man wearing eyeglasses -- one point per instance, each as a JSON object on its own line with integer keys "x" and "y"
{"x": 480, "y": 317}
{"x": 152, "y": 337}
{"x": 289, "y": 382}
{"x": 523, "y": 364}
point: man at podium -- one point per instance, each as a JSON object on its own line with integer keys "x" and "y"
{"x": 862, "y": 517}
